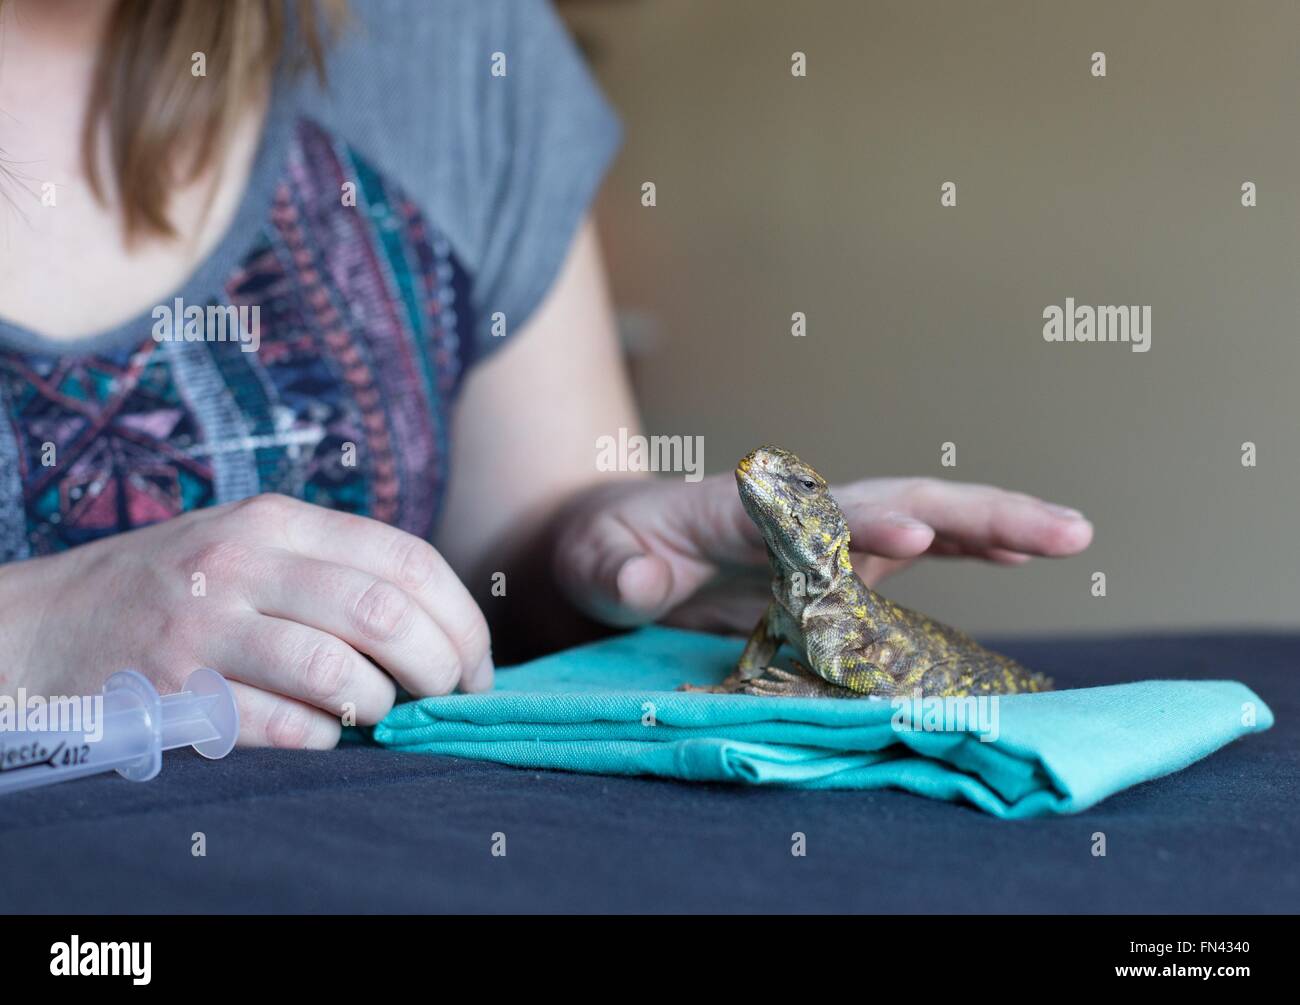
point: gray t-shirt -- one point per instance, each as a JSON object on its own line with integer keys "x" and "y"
{"x": 504, "y": 164}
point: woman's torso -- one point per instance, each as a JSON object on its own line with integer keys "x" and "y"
{"x": 336, "y": 389}
{"x": 390, "y": 226}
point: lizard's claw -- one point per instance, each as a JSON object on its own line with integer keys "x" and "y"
{"x": 734, "y": 684}
{"x": 798, "y": 683}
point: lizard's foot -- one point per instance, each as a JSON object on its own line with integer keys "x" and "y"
{"x": 733, "y": 684}
{"x": 799, "y": 683}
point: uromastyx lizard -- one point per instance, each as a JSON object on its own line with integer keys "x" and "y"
{"x": 856, "y": 642}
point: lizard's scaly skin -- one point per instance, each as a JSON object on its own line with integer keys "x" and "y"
{"x": 856, "y": 642}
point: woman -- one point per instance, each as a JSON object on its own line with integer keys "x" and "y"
{"x": 266, "y": 334}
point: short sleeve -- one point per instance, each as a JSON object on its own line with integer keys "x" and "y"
{"x": 486, "y": 114}
{"x": 549, "y": 137}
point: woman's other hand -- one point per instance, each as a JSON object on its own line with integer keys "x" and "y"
{"x": 313, "y": 615}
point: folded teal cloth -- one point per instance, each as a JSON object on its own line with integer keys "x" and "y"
{"x": 611, "y": 708}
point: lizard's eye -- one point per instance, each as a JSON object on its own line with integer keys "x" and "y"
{"x": 807, "y": 484}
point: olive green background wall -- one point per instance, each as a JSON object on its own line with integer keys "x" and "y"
{"x": 822, "y": 194}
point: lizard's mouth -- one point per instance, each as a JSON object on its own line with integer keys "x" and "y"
{"x": 752, "y": 467}
{"x": 748, "y": 479}
{"x": 757, "y": 494}
{"x": 760, "y": 481}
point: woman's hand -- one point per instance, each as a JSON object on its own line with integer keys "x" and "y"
{"x": 643, "y": 550}
{"x": 311, "y": 614}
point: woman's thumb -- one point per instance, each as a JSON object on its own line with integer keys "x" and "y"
{"x": 613, "y": 577}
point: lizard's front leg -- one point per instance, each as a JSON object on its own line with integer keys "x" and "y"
{"x": 844, "y": 664}
{"x": 758, "y": 652}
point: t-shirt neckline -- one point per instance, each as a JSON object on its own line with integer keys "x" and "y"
{"x": 207, "y": 279}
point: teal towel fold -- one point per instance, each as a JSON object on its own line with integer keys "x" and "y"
{"x": 611, "y": 708}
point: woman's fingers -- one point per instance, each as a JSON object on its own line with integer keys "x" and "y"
{"x": 890, "y": 533}
{"x": 1004, "y": 557}
{"x": 607, "y": 569}
{"x": 983, "y": 518}
{"x": 271, "y": 720}
{"x": 625, "y": 560}
{"x": 371, "y": 615}
{"x": 967, "y": 520}
{"x": 389, "y": 554}
{"x": 309, "y": 665}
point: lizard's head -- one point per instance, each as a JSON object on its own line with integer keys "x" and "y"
{"x": 792, "y": 506}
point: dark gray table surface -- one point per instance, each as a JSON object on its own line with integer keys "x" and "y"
{"x": 361, "y": 829}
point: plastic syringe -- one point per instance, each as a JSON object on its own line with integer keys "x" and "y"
{"x": 137, "y": 725}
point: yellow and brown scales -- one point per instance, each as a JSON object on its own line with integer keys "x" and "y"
{"x": 854, "y": 642}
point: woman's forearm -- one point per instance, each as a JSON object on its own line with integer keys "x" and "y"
{"x": 525, "y": 450}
